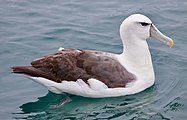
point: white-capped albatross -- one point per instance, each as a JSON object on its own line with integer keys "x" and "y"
{"x": 101, "y": 74}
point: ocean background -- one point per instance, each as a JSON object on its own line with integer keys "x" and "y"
{"x": 33, "y": 28}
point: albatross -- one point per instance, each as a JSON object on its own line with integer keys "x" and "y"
{"x": 98, "y": 74}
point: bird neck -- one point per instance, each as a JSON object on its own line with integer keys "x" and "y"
{"x": 136, "y": 58}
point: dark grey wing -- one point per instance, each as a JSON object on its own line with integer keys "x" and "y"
{"x": 73, "y": 64}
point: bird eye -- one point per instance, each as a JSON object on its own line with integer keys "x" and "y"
{"x": 144, "y": 23}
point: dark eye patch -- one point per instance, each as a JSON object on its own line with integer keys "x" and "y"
{"x": 144, "y": 23}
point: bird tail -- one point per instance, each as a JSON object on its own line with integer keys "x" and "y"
{"x": 38, "y": 76}
{"x": 27, "y": 70}
{"x": 31, "y": 71}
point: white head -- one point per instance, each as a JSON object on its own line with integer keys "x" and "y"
{"x": 139, "y": 27}
{"x": 136, "y": 57}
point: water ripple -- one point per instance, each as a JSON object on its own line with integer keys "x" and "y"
{"x": 30, "y": 29}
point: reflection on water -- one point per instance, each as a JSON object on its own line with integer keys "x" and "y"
{"x": 104, "y": 108}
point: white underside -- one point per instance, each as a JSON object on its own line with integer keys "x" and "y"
{"x": 94, "y": 88}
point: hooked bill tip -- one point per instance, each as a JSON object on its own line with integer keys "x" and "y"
{"x": 171, "y": 43}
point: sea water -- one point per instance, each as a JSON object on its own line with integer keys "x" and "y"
{"x": 31, "y": 29}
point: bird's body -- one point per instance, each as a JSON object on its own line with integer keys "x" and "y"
{"x": 81, "y": 69}
{"x": 101, "y": 74}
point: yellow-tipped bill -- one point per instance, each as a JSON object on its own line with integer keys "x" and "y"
{"x": 171, "y": 43}
{"x": 155, "y": 33}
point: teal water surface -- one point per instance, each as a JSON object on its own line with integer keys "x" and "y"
{"x": 30, "y": 29}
